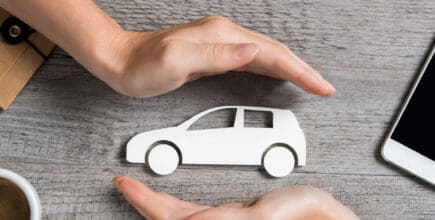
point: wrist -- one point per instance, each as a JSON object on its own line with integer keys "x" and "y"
{"x": 107, "y": 60}
{"x": 116, "y": 62}
{"x": 111, "y": 59}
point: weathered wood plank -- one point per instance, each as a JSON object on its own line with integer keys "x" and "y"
{"x": 86, "y": 191}
{"x": 66, "y": 132}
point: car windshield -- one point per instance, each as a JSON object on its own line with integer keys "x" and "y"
{"x": 222, "y": 118}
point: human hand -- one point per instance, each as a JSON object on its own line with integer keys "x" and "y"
{"x": 296, "y": 202}
{"x": 142, "y": 64}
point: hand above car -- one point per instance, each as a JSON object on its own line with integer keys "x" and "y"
{"x": 149, "y": 63}
{"x": 152, "y": 63}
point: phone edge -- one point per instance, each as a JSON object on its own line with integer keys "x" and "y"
{"x": 402, "y": 108}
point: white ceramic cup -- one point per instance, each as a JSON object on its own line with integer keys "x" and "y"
{"x": 28, "y": 190}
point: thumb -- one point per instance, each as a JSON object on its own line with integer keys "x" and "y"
{"x": 220, "y": 58}
{"x": 153, "y": 205}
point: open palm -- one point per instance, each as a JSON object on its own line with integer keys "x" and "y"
{"x": 296, "y": 202}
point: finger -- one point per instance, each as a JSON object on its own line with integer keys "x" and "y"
{"x": 273, "y": 59}
{"x": 219, "y": 58}
{"x": 144, "y": 200}
{"x": 153, "y": 205}
{"x": 276, "y": 60}
{"x": 287, "y": 66}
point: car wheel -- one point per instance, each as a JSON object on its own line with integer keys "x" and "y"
{"x": 163, "y": 159}
{"x": 279, "y": 161}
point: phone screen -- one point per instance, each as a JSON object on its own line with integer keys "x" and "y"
{"x": 416, "y": 127}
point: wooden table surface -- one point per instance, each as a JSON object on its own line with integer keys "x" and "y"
{"x": 66, "y": 132}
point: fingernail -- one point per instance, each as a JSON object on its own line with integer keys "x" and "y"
{"x": 329, "y": 87}
{"x": 313, "y": 83}
{"x": 117, "y": 180}
{"x": 246, "y": 50}
{"x": 325, "y": 84}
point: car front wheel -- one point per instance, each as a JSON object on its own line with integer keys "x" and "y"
{"x": 279, "y": 161}
{"x": 163, "y": 159}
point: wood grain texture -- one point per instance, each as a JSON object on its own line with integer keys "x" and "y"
{"x": 67, "y": 131}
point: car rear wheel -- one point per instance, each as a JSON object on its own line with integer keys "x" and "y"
{"x": 163, "y": 159}
{"x": 279, "y": 161}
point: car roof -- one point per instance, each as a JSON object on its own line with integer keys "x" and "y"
{"x": 247, "y": 108}
{"x": 277, "y": 113}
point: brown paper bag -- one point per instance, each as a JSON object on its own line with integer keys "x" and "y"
{"x": 18, "y": 62}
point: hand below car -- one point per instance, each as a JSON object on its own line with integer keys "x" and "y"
{"x": 296, "y": 202}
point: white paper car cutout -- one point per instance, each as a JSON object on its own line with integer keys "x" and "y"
{"x": 278, "y": 148}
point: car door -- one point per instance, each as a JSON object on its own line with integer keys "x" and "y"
{"x": 209, "y": 139}
{"x": 256, "y": 135}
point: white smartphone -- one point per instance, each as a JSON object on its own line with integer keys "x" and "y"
{"x": 410, "y": 144}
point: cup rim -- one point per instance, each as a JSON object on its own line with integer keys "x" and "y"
{"x": 28, "y": 190}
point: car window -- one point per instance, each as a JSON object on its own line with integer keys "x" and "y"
{"x": 258, "y": 119}
{"x": 223, "y": 118}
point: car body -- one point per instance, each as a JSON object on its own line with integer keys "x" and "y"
{"x": 235, "y": 145}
